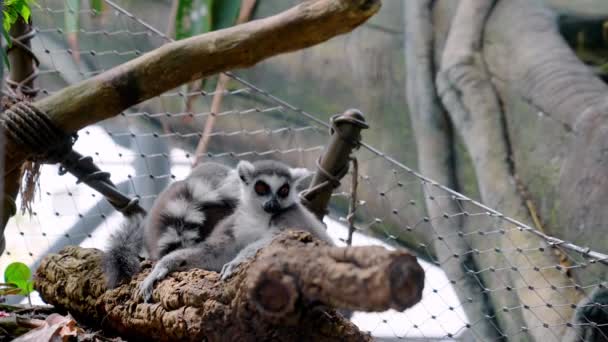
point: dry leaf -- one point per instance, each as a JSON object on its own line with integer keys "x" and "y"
{"x": 56, "y": 328}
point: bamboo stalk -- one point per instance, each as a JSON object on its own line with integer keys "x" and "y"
{"x": 246, "y": 10}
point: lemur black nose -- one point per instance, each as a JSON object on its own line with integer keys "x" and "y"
{"x": 272, "y": 206}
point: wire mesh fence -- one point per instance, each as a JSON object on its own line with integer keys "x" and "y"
{"x": 151, "y": 144}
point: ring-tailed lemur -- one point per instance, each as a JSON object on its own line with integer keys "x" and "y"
{"x": 268, "y": 204}
{"x": 182, "y": 216}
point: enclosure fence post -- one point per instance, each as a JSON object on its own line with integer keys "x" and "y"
{"x": 345, "y": 136}
{"x": 23, "y": 61}
{"x": 22, "y": 74}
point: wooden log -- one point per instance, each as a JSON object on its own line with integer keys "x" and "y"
{"x": 284, "y": 293}
{"x": 176, "y": 63}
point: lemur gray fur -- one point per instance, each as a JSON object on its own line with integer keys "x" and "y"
{"x": 182, "y": 216}
{"x": 268, "y": 205}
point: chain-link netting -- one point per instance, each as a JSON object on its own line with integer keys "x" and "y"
{"x": 153, "y": 143}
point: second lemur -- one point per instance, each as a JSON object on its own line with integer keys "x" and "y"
{"x": 182, "y": 216}
{"x": 268, "y": 205}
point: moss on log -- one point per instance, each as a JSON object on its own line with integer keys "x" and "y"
{"x": 285, "y": 293}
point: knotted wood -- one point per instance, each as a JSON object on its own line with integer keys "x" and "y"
{"x": 285, "y": 293}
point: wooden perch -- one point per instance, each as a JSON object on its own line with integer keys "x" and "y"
{"x": 281, "y": 294}
{"x": 173, "y": 64}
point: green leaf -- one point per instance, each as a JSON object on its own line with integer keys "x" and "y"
{"x": 25, "y": 13}
{"x": 199, "y": 16}
{"x": 7, "y": 37}
{"x": 19, "y": 274}
{"x": 72, "y": 15}
{"x": 182, "y": 25}
{"x": 202, "y": 17}
{"x": 16, "y": 271}
{"x": 15, "y": 9}
{"x": 193, "y": 17}
{"x": 224, "y": 13}
{"x": 29, "y": 287}
{"x": 97, "y": 6}
{"x": 21, "y": 284}
{"x": 9, "y": 16}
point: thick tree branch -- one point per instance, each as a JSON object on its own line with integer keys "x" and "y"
{"x": 541, "y": 66}
{"x": 470, "y": 97}
{"x": 533, "y": 61}
{"x": 282, "y": 294}
{"x": 434, "y": 142}
{"x": 173, "y": 64}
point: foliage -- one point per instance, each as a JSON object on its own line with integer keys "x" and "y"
{"x": 97, "y": 6}
{"x": 15, "y": 9}
{"x": 199, "y": 16}
{"x": 17, "y": 276}
{"x": 224, "y": 13}
{"x": 192, "y": 17}
{"x": 71, "y": 18}
{"x": 12, "y": 10}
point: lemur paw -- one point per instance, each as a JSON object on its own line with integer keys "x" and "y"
{"x": 145, "y": 289}
{"x": 229, "y": 269}
{"x": 147, "y": 286}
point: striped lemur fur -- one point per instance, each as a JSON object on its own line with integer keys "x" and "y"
{"x": 261, "y": 200}
{"x": 183, "y": 215}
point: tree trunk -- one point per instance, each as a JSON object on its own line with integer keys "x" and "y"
{"x": 433, "y": 134}
{"x": 21, "y": 81}
{"x": 284, "y": 293}
{"x": 496, "y": 62}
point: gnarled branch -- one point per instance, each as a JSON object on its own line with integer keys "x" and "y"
{"x": 434, "y": 145}
{"x": 281, "y": 294}
{"x": 471, "y": 99}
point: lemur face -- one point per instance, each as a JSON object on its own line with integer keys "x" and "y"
{"x": 270, "y": 185}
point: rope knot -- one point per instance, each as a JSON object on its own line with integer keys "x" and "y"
{"x": 33, "y": 130}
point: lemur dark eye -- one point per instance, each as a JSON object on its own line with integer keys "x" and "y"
{"x": 261, "y": 188}
{"x": 283, "y": 191}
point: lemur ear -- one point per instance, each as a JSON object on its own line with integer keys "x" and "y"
{"x": 298, "y": 174}
{"x": 245, "y": 170}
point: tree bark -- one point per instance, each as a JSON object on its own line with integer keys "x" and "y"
{"x": 283, "y": 293}
{"x": 534, "y": 63}
{"x": 434, "y": 143}
{"x": 180, "y": 62}
{"x": 472, "y": 102}
{"x": 22, "y": 60}
{"x": 21, "y": 81}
